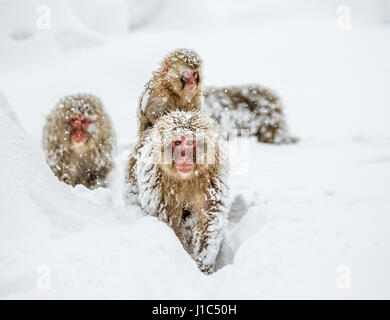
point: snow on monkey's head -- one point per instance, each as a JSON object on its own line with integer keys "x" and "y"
{"x": 182, "y": 72}
{"x": 187, "y": 144}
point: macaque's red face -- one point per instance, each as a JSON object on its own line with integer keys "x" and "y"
{"x": 184, "y": 80}
{"x": 189, "y": 79}
{"x": 79, "y": 125}
{"x": 183, "y": 154}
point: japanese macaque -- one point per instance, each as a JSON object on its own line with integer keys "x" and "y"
{"x": 175, "y": 86}
{"x": 251, "y": 107}
{"x": 78, "y": 141}
{"x": 178, "y": 173}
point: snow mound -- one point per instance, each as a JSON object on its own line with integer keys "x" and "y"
{"x": 85, "y": 246}
{"x": 91, "y": 249}
{"x": 63, "y": 242}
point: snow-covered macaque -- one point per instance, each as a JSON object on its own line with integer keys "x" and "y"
{"x": 78, "y": 141}
{"x": 178, "y": 172}
{"x": 176, "y": 85}
{"x": 250, "y": 107}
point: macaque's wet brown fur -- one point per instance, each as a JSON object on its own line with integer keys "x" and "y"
{"x": 87, "y": 163}
{"x": 165, "y": 91}
{"x": 250, "y": 107}
{"x": 194, "y": 206}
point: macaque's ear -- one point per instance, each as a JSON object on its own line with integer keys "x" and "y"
{"x": 165, "y": 67}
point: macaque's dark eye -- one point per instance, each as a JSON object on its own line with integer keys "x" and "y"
{"x": 177, "y": 143}
{"x": 74, "y": 119}
{"x": 196, "y": 74}
{"x": 84, "y": 121}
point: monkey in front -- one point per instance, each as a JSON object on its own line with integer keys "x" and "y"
{"x": 178, "y": 172}
{"x": 176, "y": 85}
{"x": 78, "y": 141}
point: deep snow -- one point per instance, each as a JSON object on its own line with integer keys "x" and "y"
{"x": 303, "y": 215}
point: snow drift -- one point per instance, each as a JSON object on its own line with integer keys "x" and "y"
{"x": 60, "y": 242}
{"x": 47, "y": 223}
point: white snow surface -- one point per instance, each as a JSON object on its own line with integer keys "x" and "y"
{"x": 302, "y": 214}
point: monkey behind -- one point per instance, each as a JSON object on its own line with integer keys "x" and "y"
{"x": 251, "y": 107}
{"x": 176, "y": 85}
{"x": 78, "y": 141}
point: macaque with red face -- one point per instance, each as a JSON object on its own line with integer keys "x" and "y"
{"x": 178, "y": 173}
{"x": 79, "y": 125}
{"x": 183, "y": 153}
{"x": 176, "y": 85}
{"x": 78, "y": 141}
